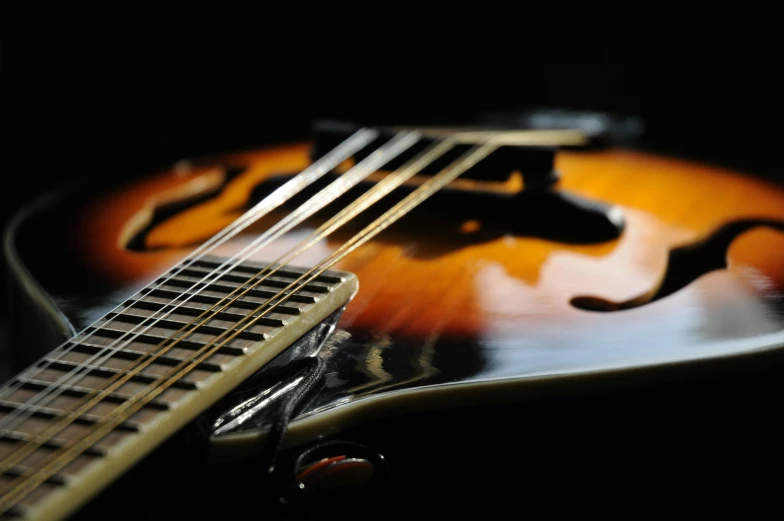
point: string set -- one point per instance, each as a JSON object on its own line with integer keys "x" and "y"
{"x": 292, "y": 187}
{"x": 65, "y": 454}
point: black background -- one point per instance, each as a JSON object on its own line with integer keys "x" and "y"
{"x": 116, "y": 91}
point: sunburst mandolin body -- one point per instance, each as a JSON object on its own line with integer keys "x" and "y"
{"x": 472, "y": 298}
{"x": 446, "y": 273}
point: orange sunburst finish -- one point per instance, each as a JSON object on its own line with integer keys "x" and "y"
{"x": 426, "y": 280}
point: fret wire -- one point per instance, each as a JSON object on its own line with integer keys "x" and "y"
{"x": 194, "y": 310}
{"x": 49, "y": 412}
{"x": 128, "y": 408}
{"x": 53, "y": 444}
{"x": 101, "y": 371}
{"x": 80, "y": 392}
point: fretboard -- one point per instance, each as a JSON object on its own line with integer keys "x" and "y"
{"x": 40, "y": 399}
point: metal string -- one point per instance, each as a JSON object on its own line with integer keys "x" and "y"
{"x": 366, "y": 200}
{"x": 70, "y": 415}
{"x": 315, "y": 171}
{"x": 395, "y": 146}
{"x": 122, "y": 412}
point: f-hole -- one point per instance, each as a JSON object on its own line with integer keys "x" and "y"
{"x": 684, "y": 265}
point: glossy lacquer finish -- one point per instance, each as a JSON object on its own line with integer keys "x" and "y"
{"x": 471, "y": 288}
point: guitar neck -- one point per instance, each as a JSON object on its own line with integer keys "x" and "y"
{"x": 80, "y": 417}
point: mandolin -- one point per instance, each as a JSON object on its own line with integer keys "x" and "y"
{"x": 253, "y": 328}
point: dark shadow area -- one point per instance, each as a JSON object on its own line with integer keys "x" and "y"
{"x": 552, "y": 214}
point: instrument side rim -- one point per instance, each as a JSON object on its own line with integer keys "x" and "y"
{"x": 20, "y": 277}
{"x": 318, "y": 424}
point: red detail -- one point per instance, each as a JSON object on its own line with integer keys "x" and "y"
{"x": 319, "y": 465}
